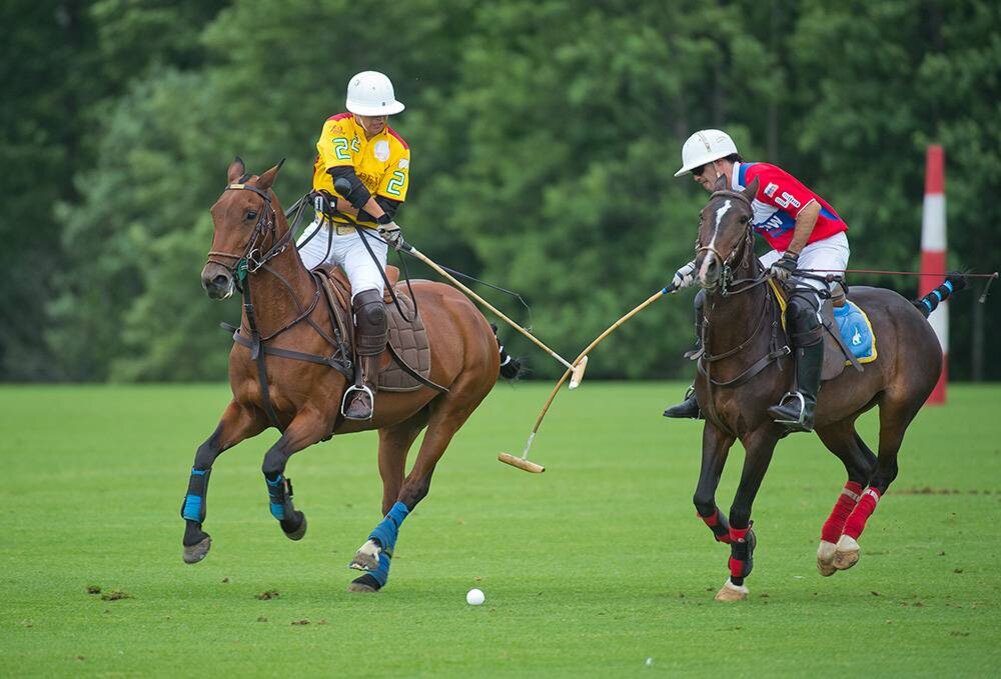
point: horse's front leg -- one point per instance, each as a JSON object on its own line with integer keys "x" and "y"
{"x": 237, "y": 423}
{"x": 715, "y": 448}
{"x": 307, "y": 427}
{"x": 758, "y": 446}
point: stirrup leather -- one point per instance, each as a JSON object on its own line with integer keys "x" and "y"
{"x": 347, "y": 398}
{"x": 802, "y": 408}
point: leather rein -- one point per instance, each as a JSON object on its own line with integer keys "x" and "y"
{"x": 252, "y": 261}
{"x": 729, "y": 286}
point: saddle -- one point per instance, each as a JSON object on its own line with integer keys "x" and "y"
{"x": 837, "y": 354}
{"x": 406, "y": 363}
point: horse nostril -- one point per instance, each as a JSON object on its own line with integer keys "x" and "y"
{"x": 220, "y": 281}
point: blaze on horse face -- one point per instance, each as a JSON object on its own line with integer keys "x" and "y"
{"x": 235, "y": 217}
{"x": 723, "y": 226}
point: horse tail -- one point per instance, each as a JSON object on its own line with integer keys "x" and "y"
{"x": 954, "y": 282}
{"x": 510, "y": 367}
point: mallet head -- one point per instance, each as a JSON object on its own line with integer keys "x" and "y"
{"x": 577, "y": 375}
{"x": 521, "y": 463}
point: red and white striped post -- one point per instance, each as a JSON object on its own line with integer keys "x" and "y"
{"x": 933, "y": 256}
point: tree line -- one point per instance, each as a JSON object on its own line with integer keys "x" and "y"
{"x": 544, "y": 133}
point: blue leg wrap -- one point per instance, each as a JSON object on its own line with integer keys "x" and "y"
{"x": 193, "y": 508}
{"x": 276, "y": 492}
{"x": 389, "y": 528}
{"x": 381, "y": 574}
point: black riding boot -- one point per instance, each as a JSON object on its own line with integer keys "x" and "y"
{"x": 370, "y": 342}
{"x": 797, "y": 408}
{"x": 689, "y": 408}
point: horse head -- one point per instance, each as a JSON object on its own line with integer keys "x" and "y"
{"x": 725, "y": 236}
{"x": 245, "y": 230}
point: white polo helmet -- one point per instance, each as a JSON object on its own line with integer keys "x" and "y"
{"x": 703, "y": 147}
{"x": 370, "y": 93}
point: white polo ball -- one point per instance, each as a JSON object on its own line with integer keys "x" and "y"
{"x": 474, "y": 597}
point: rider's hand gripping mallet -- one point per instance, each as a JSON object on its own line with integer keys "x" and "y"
{"x": 523, "y": 462}
{"x": 343, "y": 186}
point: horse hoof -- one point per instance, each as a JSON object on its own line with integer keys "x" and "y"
{"x": 197, "y": 551}
{"x": 825, "y": 558}
{"x": 367, "y": 557}
{"x": 732, "y": 592}
{"x": 847, "y": 554}
{"x": 298, "y": 532}
{"x": 366, "y": 584}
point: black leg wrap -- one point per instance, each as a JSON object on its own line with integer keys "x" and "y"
{"x": 368, "y": 580}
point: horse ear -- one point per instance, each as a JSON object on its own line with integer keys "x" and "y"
{"x": 236, "y": 170}
{"x": 268, "y": 178}
{"x": 752, "y": 189}
{"x": 721, "y": 183}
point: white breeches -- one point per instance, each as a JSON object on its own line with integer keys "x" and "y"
{"x": 348, "y": 252}
{"x": 831, "y": 253}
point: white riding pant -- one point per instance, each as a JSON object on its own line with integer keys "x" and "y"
{"x": 348, "y": 252}
{"x": 831, "y": 253}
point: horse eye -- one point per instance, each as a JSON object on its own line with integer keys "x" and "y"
{"x": 745, "y": 220}
{"x": 251, "y": 214}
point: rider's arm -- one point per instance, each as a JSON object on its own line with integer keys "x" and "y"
{"x": 359, "y": 198}
{"x": 805, "y": 221}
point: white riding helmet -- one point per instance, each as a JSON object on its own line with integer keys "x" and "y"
{"x": 703, "y": 147}
{"x": 370, "y": 93}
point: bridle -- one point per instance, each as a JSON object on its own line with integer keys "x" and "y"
{"x": 252, "y": 260}
{"x": 744, "y": 250}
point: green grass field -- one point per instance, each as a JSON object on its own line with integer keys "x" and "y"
{"x": 597, "y": 567}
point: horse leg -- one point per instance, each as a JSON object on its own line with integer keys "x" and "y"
{"x": 376, "y": 554}
{"x": 306, "y": 428}
{"x": 842, "y": 440}
{"x": 758, "y": 446}
{"x": 237, "y": 423}
{"x": 394, "y": 445}
{"x": 715, "y": 448}
{"x": 893, "y": 422}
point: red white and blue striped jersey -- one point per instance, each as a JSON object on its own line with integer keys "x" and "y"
{"x": 779, "y": 199}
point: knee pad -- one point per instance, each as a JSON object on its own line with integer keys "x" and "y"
{"x": 370, "y": 320}
{"x": 803, "y": 320}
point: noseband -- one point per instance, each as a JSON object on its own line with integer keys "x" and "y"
{"x": 747, "y": 246}
{"x": 252, "y": 260}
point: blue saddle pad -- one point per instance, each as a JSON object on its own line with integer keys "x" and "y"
{"x": 856, "y": 332}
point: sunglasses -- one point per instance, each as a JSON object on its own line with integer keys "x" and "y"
{"x": 699, "y": 170}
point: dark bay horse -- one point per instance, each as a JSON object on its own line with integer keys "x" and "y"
{"x": 744, "y": 370}
{"x": 303, "y": 398}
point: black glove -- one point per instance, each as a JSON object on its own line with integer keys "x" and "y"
{"x": 783, "y": 268}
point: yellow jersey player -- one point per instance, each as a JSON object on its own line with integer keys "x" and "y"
{"x": 360, "y": 147}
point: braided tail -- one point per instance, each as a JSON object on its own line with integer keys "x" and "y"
{"x": 510, "y": 367}
{"x": 954, "y": 282}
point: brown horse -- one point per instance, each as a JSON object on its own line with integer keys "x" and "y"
{"x": 746, "y": 367}
{"x": 281, "y": 313}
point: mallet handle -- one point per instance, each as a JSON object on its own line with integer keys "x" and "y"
{"x": 421, "y": 256}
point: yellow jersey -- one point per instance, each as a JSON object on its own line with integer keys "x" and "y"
{"x": 382, "y": 163}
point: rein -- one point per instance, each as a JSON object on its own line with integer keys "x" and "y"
{"x": 247, "y": 264}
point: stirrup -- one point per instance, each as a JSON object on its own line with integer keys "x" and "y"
{"x": 802, "y": 409}
{"x": 347, "y": 397}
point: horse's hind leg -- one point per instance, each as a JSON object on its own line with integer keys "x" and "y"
{"x": 237, "y": 423}
{"x": 308, "y": 427}
{"x": 374, "y": 556}
{"x": 894, "y": 418}
{"x": 842, "y": 440}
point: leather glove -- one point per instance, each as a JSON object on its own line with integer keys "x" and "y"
{"x": 783, "y": 268}
{"x": 391, "y": 233}
{"x": 684, "y": 276}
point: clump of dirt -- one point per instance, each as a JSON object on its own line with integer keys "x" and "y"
{"x": 269, "y": 594}
{"x": 262, "y": 619}
{"x": 304, "y": 621}
{"x": 93, "y": 589}
{"x": 115, "y": 595}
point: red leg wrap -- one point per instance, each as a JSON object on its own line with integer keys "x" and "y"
{"x": 719, "y": 531}
{"x": 863, "y": 510}
{"x": 736, "y": 568}
{"x": 842, "y": 510}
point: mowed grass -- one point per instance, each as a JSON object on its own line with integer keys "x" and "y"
{"x": 596, "y": 568}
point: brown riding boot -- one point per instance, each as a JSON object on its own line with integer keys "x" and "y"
{"x": 370, "y": 341}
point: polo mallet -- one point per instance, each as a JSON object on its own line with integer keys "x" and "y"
{"x": 523, "y": 462}
{"x": 343, "y": 187}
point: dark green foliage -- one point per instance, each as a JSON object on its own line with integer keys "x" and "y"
{"x": 545, "y": 134}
